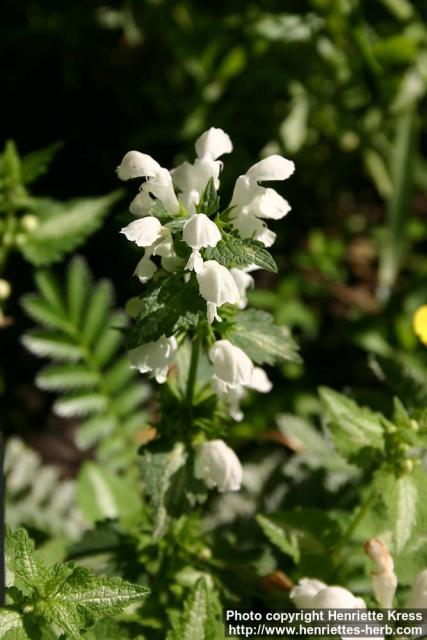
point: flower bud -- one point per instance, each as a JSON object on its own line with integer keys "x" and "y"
{"x": 304, "y": 592}
{"x": 29, "y": 222}
{"x": 143, "y": 231}
{"x": 218, "y": 466}
{"x": 154, "y": 357}
{"x": 133, "y": 307}
{"x": 231, "y": 365}
{"x": 217, "y": 287}
{"x": 199, "y": 232}
{"x": 145, "y": 269}
{"x": 314, "y": 594}
{"x": 418, "y": 596}
{"x": 5, "y": 289}
{"x": 384, "y": 580}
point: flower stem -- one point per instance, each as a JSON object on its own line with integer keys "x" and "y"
{"x": 363, "y": 510}
{"x": 192, "y": 373}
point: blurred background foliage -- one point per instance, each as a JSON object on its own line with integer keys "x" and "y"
{"x": 339, "y": 86}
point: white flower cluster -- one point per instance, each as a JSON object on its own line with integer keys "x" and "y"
{"x": 180, "y": 192}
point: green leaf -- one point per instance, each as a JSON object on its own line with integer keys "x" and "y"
{"x": 64, "y": 226}
{"x": 78, "y": 283}
{"x": 197, "y": 622}
{"x": 102, "y": 494}
{"x": 158, "y": 473}
{"x": 29, "y": 569}
{"x": 353, "y": 428}
{"x": 400, "y": 497}
{"x": 40, "y": 311}
{"x": 60, "y": 377}
{"x": 167, "y": 307}
{"x": 11, "y": 625}
{"x": 85, "y": 598}
{"x": 233, "y": 251}
{"x": 80, "y": 404}
{"x": 209, "y": 203}
{"x": 53, "y": 345}
{"x": 264, "y": 342}
{"x": 36, "y": 163}
{"x": 96, "y": 316}
{"x": 285, "y": 541}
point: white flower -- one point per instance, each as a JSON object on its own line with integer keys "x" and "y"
{"x": 418, "y": 596}
{"x": 232, "y": 367}
{"x": 232, "y": 395}
{"x": 384, "y": 580}
{"x": 160, "y": 186}
{"x": 145, "y": 269}
{"x": 191, "y": 179}
{"x": 144, "y": 232}
{"x": 137, "y": 165}
{"x": 243, "y": 282}
{"x": 314, "y": 594}
{"x": 159, "y": 183}
{"x": 303, "y": 593}
{"x": 251, "y": 202}
{"x": 218, "y": 466}
{"x": 199, "y": 232}
{"x": 216, "y": 286}
{"x": 155, "y": 357}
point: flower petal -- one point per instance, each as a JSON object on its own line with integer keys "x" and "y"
{"x": 272, "y": 168}
{"x": 213, "y": 143}
{"x": 137, "y": 165}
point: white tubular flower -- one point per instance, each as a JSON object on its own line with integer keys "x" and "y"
{"x": 251, "y": 202}
{"x": 160, "y": 186}
{"x": 304, "y": 592}
{"x": 137, "y": 165}
{"x": 199, "y": 232}
{"x": 191, "y": 179}
{"x": 243, "y": 282}
{"x": 213, "y": 143}
{"x": 145, "y": 269}
{"x": 216, "y": 286}
{"x": 260, "y": 381}
{"x": 384, "y": 580}
{"x": 314, "y": 594}
{"x": 218, "y": 466}
{"x": 154, "y": 357}
{"x": 144, "y": 232}
{"x": 418, "y": 596}
{"x": 232, "y": 367}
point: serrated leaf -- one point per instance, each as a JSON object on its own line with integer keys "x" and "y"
{"x": 36, "y": 163}
{"x": 86, "y": 598}
{"x": 158, "y": 469}
{"x": 233, "y": 251}
{"x": 353, "y": 427}
{"x": 167, "y": 307}
{"x": 102, "y": 494}
{"x": 93, "y": 429}
{"x": 209, "y": 203}
{"x": 29, "y": 569}
{"x": 264, "y": 342}
{"x": 80, "y": 404}
{"x": 64, "y": 226}
{"x": 11, "y": 625}
{"x": 60, "y": 377}
{"x": 285, "y": 541}
{"x": 40, "y": 311}
{"x": 52, "y": 345}
{"x": 400, "y": 496}
{"x": 192, "y": 624}
{"x": 129, "y": 399}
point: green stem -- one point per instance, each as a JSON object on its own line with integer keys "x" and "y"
{"x": 363, "y": 510}
{"x": 195, "y": 348}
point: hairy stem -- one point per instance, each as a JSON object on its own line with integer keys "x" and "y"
{"x": 363, "y": 510}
